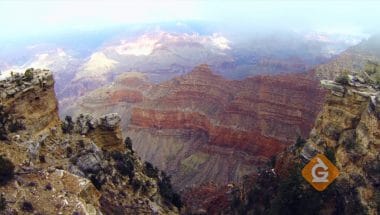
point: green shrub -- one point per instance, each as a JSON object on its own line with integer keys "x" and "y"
{"x": 136, "y": 184}
{"x": 300, "y": 142}
{"x": 371, "y": 67}
{"x": 6, "y": 170}
{"x": 96, "y": 182}
{"x": 69, "y": 152}
{"x": 128, "y": 143}
{"x": 42, "y": 158}
{"x": 342, "y": 79}
{"x": 67, "y": 125}
{"x": 295, "y": 198}
{"x": 27, "y": 207}
{"x": 145, "y": 187}
{"x": 3, "y": 133}
{"x": 166, "y": 191}
{"x": 48, "y": 186}
{"x": 150, "y": 170}
{"x": 16, "y": 125}
{"x": 4, "y": 115}
{"x": 329, "y": 153}
{"x": 3, "y": 203}
{"x": 29, "y": 74}
{"x": 18, "y": 81}
{"x": 350, "y": 145}
{"x": 117, "y": 156}
{"x": 125, "y": 166}
{"x": 176, "y": 200}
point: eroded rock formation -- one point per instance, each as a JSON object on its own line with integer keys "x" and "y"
{"x": 78, "y": 166}
{"x": 201, "y": 127}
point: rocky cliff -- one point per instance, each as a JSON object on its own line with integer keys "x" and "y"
{"x": 201, "y": 127}
{"x": 78, "y": 166}
{"x": 347, "y": 132}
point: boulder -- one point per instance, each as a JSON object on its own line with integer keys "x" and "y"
{"x": 89, "y": 163}
{"x": 11, "y": 92}
{"x": 336, "y": 89}
{"x": 84, "y": 123}
{"x": 110, "y": 121}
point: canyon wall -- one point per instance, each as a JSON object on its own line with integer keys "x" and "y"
{"x": 201, "y": 127}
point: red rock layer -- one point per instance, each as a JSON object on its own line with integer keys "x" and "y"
{"x": 130, "y": 96}
{"x": 251, "y": 141}
{"x": 256, "y": 115}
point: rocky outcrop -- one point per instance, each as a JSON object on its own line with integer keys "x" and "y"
{"x": 21, "y": 96}
{"x": 349, "y": 126}
{"x": 78, "y": 166}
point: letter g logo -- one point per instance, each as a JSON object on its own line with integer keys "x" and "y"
{"x": 320, "y": 176}
{"x": 320, "y": 172}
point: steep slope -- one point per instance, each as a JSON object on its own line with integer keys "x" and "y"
{"x": 347, "y": 131}
{"x": 201, "y": 127}
{"x": 70, "y": 167}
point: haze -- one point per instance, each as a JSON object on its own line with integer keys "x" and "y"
{"x": 48, "y": 17}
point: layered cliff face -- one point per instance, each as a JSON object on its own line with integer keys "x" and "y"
{"x": 76, "y": 166}
{"x": 347, "y": 132}
{"x": 201, "y": 127}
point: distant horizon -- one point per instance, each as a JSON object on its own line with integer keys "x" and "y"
{"x": 20, "y": 18}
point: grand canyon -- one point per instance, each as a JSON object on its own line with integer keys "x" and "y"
{"x": 201, "y": 127}
{"x": 211, "y": 113}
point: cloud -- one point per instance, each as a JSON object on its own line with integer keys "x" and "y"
{"x": 41, "y": 16}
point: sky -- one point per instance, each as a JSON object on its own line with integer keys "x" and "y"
{"x": 33, "y": 17}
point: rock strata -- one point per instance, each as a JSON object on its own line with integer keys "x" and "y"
{"x": 200, "y": 124}
{"x": 347, "y": 132}
{"x": 78, "y": 166}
